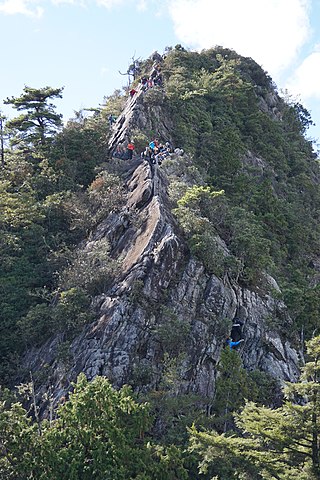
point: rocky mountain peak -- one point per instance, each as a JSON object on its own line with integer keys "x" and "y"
{"x": 164, "y": 303}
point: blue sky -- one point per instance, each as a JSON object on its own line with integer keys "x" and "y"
{"x": 82, "y": 44}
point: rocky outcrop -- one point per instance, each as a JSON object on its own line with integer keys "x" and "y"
{"x": 164, "y": 304}
{"x": 143, "y": 111}
{"x": 164, "y": 301}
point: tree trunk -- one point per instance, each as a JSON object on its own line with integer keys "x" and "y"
{"x": 315, "y": 445}
{"x": 1, "y": 142}
{"x": 315, "y": 431}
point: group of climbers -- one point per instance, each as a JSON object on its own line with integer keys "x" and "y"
{"x": 124, "y": 153}
{"x": 155, "y": 152}
{"x": 155, "y": 79}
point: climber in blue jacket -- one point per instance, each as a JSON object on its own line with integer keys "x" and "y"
{"x": 233, "y": 344}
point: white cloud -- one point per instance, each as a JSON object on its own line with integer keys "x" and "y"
{"x": 270, "y": 31}
{"x": 12, "y": 7}
{"x": 142, "y": 5}
{"x": 305, "y": 80}
{"x": 104, "y": 71}
{"x": 24, "y": 7}
{"x": 70, "y": 2}
{"x": 110, "y": 3}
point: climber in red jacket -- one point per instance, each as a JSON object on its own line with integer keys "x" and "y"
{"x": 130, "y": 149}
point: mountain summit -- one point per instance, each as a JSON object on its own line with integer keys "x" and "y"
{"x": 217, "y": 237}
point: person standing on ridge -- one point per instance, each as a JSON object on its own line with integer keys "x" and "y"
{"x": 111, "y": 119}
{"x": 152, "y": 145}
{"x": 130, "y": 149}
{"x": 144, "y": 83}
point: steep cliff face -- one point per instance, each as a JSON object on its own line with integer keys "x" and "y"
{"x": 141, "y": 114}
{"x": 164, "y": 304}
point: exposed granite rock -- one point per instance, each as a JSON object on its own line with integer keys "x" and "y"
{"x": 163, "y": 298}
{"x": 160, "y": 280}
{"x": 269, "y": 104}
{"x": 258, "y": 166}
{"x": 143, "y": 111}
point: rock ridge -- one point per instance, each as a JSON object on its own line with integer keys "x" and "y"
{"x": 163, "y": 301}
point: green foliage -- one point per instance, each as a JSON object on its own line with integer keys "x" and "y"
{"x": 45, "y": 213}
{"x": 225, "y": 107}
{"x": 275, "y": 444}
{"x": 207, "y": 248}
{"x": 99, "y": 433}
{"x": 175, "y": 413}
{"x": 248, "y": 243}
{"x": 304, "y": 303}
{"x": 105, "y": 195}
{"x": 200, "y": 213}
{"x": 154, "y": 98}
{"x": 101, "y": 428}
{"x": 19, "y": 207}
{"x": 202, "y": 236}
{"x": 79, "y": 148}
{"x": 232, "y": 387}
{"x": 114, "y": 104}
{"x": 198, "y": 197}
{"x": 40, "y": 121}
{"x": 69, "y": 312}
{"x": 264, "y": 389}
{"x": 296, "y": 115}
{"x": 72, "y": 310}
{"x": 92, "y": 268}
{"x": 172, "y": 333}
{"x": 37, "y": 325}
{"x": 197, "y": 207}
{"x": 23, "y": 261}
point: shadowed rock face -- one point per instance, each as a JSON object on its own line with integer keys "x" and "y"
{"x": 161, "y": 281}
{"x": 164, "y": 301}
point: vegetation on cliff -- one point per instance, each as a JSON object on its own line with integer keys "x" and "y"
{"x": 249, "y": 143}
{"x": 103, "y": 433}
{"x": 246, "y": 196}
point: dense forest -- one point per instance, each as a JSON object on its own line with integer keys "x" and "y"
{"x": 247, "y": 184}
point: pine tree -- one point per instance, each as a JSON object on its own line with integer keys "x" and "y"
{"x": 272, "y": 444}
{"x": 40, "y": 121}
{"x": 99, "y": 433}
{"x": 231, "y": 389}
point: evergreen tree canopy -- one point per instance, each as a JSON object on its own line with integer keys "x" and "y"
{"x": 40, "y": 121}
{"x": 271, "y": 444}
{"x": 99, "y": 434}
